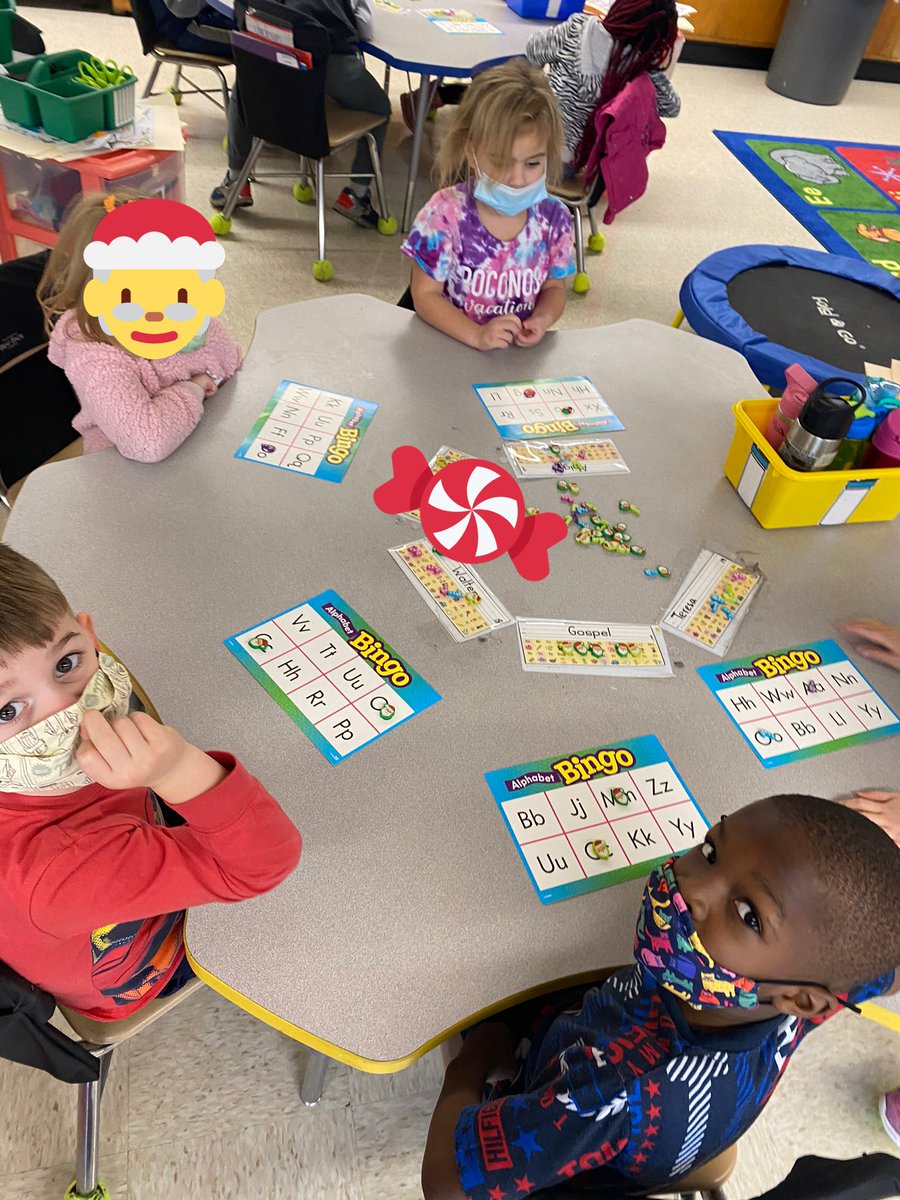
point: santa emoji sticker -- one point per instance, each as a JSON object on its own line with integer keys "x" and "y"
{"x": 472, "y": 511}
{"x": 154, "y": 287}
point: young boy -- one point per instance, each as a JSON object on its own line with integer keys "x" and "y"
{"x": 743, "y": 945}
{"x": 93, "y": 884}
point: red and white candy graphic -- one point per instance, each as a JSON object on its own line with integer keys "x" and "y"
{"x": 472, "y": 511}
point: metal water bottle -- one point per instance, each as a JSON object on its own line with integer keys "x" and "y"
{"x": 815, "y": 436}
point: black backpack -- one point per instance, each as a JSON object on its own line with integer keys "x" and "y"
{"x": 37, "y": 402}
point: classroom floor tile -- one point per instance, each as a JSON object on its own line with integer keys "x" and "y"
{"x": 390, "y": 1137}
{"x": 49, "y": 1183}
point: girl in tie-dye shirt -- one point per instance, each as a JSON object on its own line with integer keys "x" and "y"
{"x": 491, "y": 253}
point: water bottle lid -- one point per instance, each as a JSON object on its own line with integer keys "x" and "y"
{"x": 827, "y": 414}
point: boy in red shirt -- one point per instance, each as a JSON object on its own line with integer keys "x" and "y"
{"x": 93, "y": 883}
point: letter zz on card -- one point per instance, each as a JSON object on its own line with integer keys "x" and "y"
{"x": 335, "y": 677}
{"x": 792, "y": 704}
{"x": 586, "y": 820}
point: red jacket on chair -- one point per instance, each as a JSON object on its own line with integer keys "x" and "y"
{"x": 628, "y": 128}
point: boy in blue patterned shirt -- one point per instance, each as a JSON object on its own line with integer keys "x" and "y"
{"x": 628, "y": 1086}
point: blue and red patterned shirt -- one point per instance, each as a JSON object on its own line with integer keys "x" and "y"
{"x": 616, "y": 1089}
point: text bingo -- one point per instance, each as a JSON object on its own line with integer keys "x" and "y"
{"x": 541, "y": 408}
{"x": 590, "y": 819}
{"x": 792, "y": 704}
{"x": 456, "y": 594}
{"x": 308, "y": 431}
{"x": 334, "y": 676}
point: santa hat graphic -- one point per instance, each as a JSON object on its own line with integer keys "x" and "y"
{"x": 154, "y": 235}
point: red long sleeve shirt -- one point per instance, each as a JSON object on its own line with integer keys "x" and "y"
{"x": 93, "y": 885}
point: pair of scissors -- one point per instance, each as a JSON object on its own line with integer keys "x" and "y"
{"x": 98, "y": 74}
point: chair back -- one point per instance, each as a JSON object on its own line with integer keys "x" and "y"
{"x": 147, "y": 28}
{"x": 283, "y": 104}
{"x": 38, "y": 402}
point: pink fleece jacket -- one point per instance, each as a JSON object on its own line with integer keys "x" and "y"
{"x": 145, "y": 408}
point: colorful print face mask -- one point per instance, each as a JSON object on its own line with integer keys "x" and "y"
{"x": 42, "y": 758}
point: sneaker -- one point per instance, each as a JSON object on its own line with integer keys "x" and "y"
{"x": 408, "y": 103}
{"x": 356, "y": 208}
{"x": 889, "y": 1107}
{"x": 218, "y": 195}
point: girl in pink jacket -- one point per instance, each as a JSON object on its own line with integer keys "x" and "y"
{"x": 145, "y": 403}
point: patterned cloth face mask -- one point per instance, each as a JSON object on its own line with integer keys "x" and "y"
{"x": 667, "y": 945}
{"x": 42, "y": 758}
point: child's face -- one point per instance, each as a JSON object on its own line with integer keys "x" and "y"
{"x": 753, "y": 905}
{"x": 40, "y": 681}
{"x": 154, "y": 314}
{"x": 526, "y": 165}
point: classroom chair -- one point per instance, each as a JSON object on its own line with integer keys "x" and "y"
{"x": 164, "y": 53}
{"x": 287, "y": 107}
{"x": 580, "y": 198}
{"x": 37, "y": 402}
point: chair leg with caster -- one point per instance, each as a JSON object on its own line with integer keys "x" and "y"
{"x": 581, "y": 283}
{"x": 314, "y": 1078}
{"x": 221, "y": 221}
{"x": 679, "y": 320}
{"x": 322, "y": 269}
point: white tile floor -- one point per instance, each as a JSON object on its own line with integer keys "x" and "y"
{"x": 206, "y": 1104}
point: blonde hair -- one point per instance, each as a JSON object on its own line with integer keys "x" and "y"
{"x": 499, "y": 106}
{"x": 31, "y": 604}
{"x": 62, "y": 284}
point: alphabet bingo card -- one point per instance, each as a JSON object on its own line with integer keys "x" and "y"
{"x": 539, "y": 407}
{"x": 308, "y": 431}
{"x": 588, "y": 820}
{"x": 792, "y": 704}
{"x": 337, "y": 679}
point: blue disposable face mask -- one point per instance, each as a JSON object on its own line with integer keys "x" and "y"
{"x": 510, "y": 201}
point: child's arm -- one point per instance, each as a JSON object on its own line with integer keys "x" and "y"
{"x": 362, "y": 14}
{"x": 221, "y": 354}
{"x": 236, "y": 843}
{"x": 485, "y": 1050}
{"x": 881, "y": 807}
{"x": 434, "y": 307}
{"x": 878, "y": 640}
{"x": 141, "y": 426}
{"x": 668, "y": 102}
{"x": 545, "y": 46}
{"x": 550, "y": 306}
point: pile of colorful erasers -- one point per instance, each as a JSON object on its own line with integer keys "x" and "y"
{"x": 593, "y": 530}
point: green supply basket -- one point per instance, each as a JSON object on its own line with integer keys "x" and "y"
{"x": 46, "y": 91}
{"x": 7, "y": 12}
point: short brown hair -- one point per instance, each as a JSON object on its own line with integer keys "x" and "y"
{"x": 498, "y": 106}
{"x": 31, "y": 604}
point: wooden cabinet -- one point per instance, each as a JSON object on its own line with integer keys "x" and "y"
{"x": 758, "y": 23}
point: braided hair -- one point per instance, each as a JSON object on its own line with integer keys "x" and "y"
{"x": 643, "y": 34}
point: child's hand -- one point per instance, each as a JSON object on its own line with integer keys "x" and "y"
{"x": 498, "y": 333}
{"x": 533, "y": 329}
{"x": 136, "y": 751}
{"x": 879, "y": 641}
{"x": 491, "y": 1048}
{"x": 881, "y": 807}
{"x": 207, "y": 383}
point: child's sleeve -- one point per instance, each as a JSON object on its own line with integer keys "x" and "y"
{"x": 542, "y": 1139}
{"x": 141, "y": 426}
{"x": 237, "y": 842}
{"x": 226, "y": 355}
{"x": 430, "y": 243}
{"x": 668, "y": 102}
{"x": 362, "y": 15}
{"x": 546, "y": 45}
{"x": 561, "y": 243}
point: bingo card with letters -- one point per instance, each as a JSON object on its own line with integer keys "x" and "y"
{"x": 792, "y": 704}
{"x": 594, "y": 818}
{"x": 308, "y": 431}
{"x": 341, "y": 683}
{"x": 538, "y": 407}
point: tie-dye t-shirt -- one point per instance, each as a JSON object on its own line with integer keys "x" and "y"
{"x": 483, "y": 276}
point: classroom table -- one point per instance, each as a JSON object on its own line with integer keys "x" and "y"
{"x": 410, "y": 909}
{"x": 410, "y": 42}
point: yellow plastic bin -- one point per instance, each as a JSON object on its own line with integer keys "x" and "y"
{"x": 780, "y": 498}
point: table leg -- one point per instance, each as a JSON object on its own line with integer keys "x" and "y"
{"x": 427, "y": 86}
{"x": 314, "y": 1078}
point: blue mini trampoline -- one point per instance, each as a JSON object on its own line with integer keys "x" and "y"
{"x": 779, "y": 305}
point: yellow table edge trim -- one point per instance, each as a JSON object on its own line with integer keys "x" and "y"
{"x": 881, "y": 1015}
{"x": 373, "y": 1066}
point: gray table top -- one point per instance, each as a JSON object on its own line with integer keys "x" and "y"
{"x": 410, "y": 909}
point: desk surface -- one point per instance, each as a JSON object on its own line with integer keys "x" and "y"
{"x": 410, "y": 42}
{"x": 410, "y": 909}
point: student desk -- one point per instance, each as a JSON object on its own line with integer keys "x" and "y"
{"x": 410, "y": 42}
{"x": 410, "y": 910}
